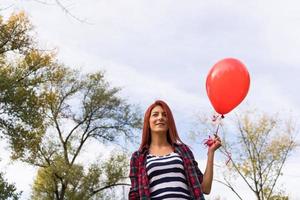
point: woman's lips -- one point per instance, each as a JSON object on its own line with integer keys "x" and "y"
{"x": 160, "y": 124}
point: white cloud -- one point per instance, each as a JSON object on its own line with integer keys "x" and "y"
{"x": 281, "y": 30}
{"x": 268, "y": 95}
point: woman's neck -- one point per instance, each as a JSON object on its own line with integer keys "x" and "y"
{"x": 159, "y": 145}
{"x": 159, "y": 139}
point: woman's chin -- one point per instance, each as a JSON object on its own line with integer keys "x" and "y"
{"x": 160, "y": 131}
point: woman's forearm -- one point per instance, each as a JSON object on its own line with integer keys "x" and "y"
{"x": 208, "y": 174}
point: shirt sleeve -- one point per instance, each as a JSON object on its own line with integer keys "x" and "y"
{"x": 198, "y": 171}
{"x": 133, "y": 175}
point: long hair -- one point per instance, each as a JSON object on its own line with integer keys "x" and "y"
{"x": 172, "y": 135}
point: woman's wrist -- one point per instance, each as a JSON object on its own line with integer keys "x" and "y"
{"x": 211, "y": 152}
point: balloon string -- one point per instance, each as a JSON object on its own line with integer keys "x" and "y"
{"x": 217, "y": 129}
{"x": 210, "y": 141}
{"x": 218, "y": 119}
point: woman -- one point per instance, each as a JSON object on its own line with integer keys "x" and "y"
{"x": 164, "y": 167}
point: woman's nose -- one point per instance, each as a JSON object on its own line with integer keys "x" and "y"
{"x": 160, "y": 117}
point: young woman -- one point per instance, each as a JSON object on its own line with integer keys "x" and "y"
{"x": 164, "y": 167}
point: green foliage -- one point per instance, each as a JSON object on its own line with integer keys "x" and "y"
{"x": 7, "y": 190}
{"x": 279, "y": 197}
{"x": 14, "y": 34}
{"x": 80, "y": 183}
{"x": 23, "y": 70}
{"x": 116, "y": 168}
{"x": 51, "y": 179}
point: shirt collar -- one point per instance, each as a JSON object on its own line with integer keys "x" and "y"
{"x": 145, "y": 149}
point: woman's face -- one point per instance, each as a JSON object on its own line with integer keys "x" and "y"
{"x": 158, "y": 120}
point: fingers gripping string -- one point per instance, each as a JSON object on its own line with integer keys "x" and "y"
{"x": 208, "y": 142}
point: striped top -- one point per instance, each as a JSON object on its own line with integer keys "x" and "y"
{"x": 167, "y": 177}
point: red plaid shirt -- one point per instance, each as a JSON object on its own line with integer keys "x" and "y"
{"x": 139, "y": 180}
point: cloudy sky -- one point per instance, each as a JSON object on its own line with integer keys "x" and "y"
{"x": 163, "y": 49}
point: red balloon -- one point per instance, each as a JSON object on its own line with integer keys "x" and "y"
{"x": 227, "y": 84}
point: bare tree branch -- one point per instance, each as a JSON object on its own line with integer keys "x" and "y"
{"x": 227, "y": 184}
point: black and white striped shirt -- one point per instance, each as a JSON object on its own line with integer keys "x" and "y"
{"x": 167, "y": 177}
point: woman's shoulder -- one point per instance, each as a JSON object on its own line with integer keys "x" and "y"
{"x": 183, "y": 146}
{"x": 135, "y": 154}
{"x": 184, "y": 149}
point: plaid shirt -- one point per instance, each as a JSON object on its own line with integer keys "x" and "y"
{"x": 139, "y": 180}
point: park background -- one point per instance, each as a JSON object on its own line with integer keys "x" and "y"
{"x": 164, "y": 50}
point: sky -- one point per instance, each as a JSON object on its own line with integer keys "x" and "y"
{"x": 164, "y": 50}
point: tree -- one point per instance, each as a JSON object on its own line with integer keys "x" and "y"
{"x": 258, "y": 153}
{"x": 22, "y": 68}
{"x": 82, "y": 186}
{"x": 49, "y": 113}
{"x": 7, "y": 190}
{"x": 92, "y": 110}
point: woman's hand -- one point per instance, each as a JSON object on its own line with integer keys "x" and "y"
{"x": 215, "y": 144}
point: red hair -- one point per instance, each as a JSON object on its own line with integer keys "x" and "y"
{"x": 172, "y": 135}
